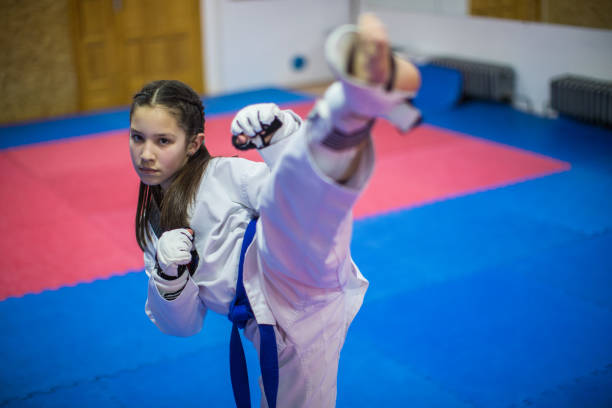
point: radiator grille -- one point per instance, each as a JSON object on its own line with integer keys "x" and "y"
{"x": 481, "y": 80}
{"x": 583, "y": 98}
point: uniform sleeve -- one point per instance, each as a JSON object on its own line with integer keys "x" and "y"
{"x": 306, "y": 219}
{"x": 180, "y": 312}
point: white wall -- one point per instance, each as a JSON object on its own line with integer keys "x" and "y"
{"x": 252, "y": 43}
{"x": 536, "y": 51}
{"x": 452, "y": 7}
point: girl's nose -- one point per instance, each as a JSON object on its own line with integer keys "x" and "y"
{"x": 146, "y": 153}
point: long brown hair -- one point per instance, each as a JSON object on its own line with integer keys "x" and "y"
{"x": 169, "y": 210}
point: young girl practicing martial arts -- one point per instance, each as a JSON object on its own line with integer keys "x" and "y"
{"x": 267, "y": 244}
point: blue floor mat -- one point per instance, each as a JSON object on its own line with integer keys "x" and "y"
{"x": 588, "y": 391}
{"x": 562, "y": 138}
{"x": 116, "y": 119}
{"x": 389, "y": 383}
{"x": 440, "y": 89}
{"x": 578, "y": 199}
{"x": 192, "y": 379}
{"x": 493, "y": 338}
{"x": 411, "y": 257}
{"x": 74, "y": 334}
{"x": 499, "y": 298}
{"x": 581, "y": 269}
{"x": 451, "y": 239}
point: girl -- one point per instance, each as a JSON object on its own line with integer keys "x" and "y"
{"x": 294, "y": 288}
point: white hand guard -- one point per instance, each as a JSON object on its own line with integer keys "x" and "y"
{"x": 174, "y": 249}
{"x": 264, "y": 124}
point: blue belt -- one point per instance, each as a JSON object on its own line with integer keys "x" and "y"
{"x": 240, "y": 313}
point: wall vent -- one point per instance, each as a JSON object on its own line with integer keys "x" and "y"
{"x": 481, "y": 80}
{"x": 583, "y": 98}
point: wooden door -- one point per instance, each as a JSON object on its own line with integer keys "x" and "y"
{"x": 526, "y": 10}
{"x": 96, "y": 52}
{"x": 122, "y": 44}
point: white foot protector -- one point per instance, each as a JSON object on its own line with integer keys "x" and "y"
{"x": 356, "y": 98}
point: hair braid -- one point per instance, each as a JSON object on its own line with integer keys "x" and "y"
{"x": 188, "y": 110}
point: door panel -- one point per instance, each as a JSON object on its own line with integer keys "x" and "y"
{"x": 96, "y": 50}
{"x": 125, "y": 43}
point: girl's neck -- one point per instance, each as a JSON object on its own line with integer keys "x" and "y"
{"x": 166, "y": 184}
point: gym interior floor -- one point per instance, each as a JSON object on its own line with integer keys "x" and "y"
{"x": 485, "y": 234}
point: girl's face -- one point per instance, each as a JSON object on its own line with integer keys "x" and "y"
{"x": 158, "y": 146}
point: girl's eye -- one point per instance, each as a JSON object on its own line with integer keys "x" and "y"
{"x": 164, "y": 141}
{"x": 136, "y": 137}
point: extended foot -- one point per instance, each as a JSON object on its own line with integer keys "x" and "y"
{"x": 372, "y": 81}
{"x": 370, "y": 56}
{"x": 371, "y": 60}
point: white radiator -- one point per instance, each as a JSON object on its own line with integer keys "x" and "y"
{"x": 583, "y": 98}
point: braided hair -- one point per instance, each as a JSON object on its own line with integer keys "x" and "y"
{"x": 169, "y": 210}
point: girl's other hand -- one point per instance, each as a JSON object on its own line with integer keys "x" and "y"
{"x": 174, "y": 249}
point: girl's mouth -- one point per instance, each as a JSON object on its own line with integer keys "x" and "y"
{"x": 147, "y": 170}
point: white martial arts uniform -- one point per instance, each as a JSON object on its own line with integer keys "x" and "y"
{"x": 298, "y": 272}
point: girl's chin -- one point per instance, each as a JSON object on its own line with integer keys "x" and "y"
{"x": 150, "y": 180}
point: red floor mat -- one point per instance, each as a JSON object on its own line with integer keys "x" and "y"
{"x": 69, "y": 205}
{"x": 432, "y": 164}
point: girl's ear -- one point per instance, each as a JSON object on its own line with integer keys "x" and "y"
{"x": 195, "y": 144}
